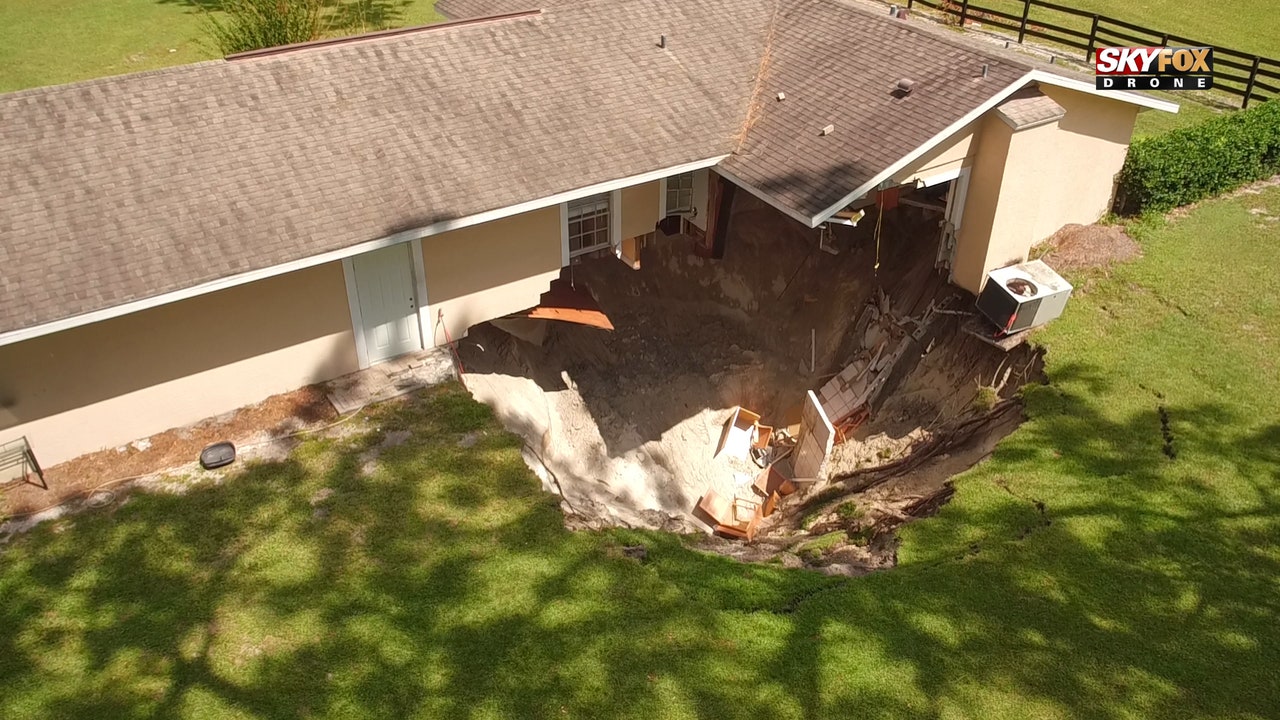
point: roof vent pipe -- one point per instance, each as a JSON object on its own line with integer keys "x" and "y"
{"x": 893, "y": 11}
{"x": 662, "y": 41}
{"x": 984, "y": 69}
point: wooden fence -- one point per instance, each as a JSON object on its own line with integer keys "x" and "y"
{"x": 1249, "y": 77}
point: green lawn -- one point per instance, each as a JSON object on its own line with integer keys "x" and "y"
{"x": 1249, "y": 26}
{"x": 442, "y": 583}
{"x": 46, "y": 42}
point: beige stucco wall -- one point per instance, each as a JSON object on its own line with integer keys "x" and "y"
{"x": 485, "y": 271}
{"x": 1089, "y": 149}
{"x": 969, "y": 263}
{"x": 947, "y": 157}
{"x": 111, "y": 382}
{"x": 640, "y": 207}
{"x": 1025, "y": 185}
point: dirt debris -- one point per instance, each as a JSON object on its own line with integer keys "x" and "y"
{"x": 1082, "y": 247}
{"x": 623, "y": 425}
{"x": 275, "y": 416}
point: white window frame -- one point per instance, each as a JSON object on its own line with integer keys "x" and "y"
{"x": 607, "y": 207}
{"x": 671, "y": 185}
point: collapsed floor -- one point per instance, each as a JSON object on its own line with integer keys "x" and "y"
{"x": 624, "y": 424}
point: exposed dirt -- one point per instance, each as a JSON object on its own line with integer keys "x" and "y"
{"x": 275, "y": 416}
{"x": 1081, "y": 247}
{"x": 624, "y": 425}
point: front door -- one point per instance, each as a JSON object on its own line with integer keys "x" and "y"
{"x": 388, "y": 305}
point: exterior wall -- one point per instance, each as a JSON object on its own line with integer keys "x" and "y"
{"x": 948, "y": 157}
{"x": 701, "y": 186}
{"x": 111, "y": 382}
{"x": 1026, "y": 185}
{"x": 640, "y": 205}
{"x": 485, "y": 271}
{"x": 1088, "y": 151}
{"x": 969, "y": 264}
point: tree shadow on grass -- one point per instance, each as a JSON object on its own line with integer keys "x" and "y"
{"x": 364, "y": 578}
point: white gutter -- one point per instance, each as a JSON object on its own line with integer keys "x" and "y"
{"x": 444, "y": 226}
{"x": 1033, "y": 76}
{"x": 1049, "y": 78}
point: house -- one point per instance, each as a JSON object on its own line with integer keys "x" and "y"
{"x": 178, "y": 243}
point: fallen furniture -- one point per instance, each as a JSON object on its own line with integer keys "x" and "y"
{"x": 736, "y": 518}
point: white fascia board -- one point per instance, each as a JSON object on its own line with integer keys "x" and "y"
{"x": 773, "y": 202}
{"x": 1049, "y": 78}
{"x": 914, "y": 155}
{"x": 444, "y": 226}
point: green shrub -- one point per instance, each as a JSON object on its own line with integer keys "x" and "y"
{"x": 1192, "y": 163}
{"x": 256, "y": 24}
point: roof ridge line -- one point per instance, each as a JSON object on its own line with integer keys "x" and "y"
{"x": 376, "y": 35}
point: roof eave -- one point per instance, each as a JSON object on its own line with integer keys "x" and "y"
{"x": 74, "y": 321}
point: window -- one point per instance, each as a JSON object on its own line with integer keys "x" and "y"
{"x": 588, "y": 224}
{"x": 680, "y": 193}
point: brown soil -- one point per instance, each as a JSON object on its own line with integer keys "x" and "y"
{"x": 275, "y": 416}
{"x": 1081, "y": 247}
{"x": 623, "y": 425}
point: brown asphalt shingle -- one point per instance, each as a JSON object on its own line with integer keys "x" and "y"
{"x": 839, "y": 65}
{"x": 128, "y": 187}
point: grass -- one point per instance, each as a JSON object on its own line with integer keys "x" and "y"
{"x": 1249, "y": 26}
{"x": 1081, "y": 573}
{"x": 47, "y": 42}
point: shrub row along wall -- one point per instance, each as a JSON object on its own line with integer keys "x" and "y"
{"x": 1200, "y": 161}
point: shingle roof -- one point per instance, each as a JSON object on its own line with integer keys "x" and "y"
{"x": 1029, "y": 107}
{"x": 840, "y": 65}
{"x": 129, "y": 187}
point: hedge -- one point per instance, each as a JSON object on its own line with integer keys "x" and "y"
{"x": 1200, "y": 161}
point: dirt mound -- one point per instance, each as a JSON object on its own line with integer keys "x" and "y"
{"x": 1080, "y": 247}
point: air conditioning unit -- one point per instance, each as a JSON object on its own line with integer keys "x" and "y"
{"x": 1023, "y": 296}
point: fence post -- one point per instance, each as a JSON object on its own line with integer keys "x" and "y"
{"x": 964, "y": 12}
{"x": 909, "y": 2}
{"x": 1164, "y": 40}
{"x": 1093, "y": 38}
{"x": 1022, "y": 29}
{"x": 1253, "y": 77}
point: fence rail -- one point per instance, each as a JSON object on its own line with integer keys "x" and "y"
{"x": 1252, "y": 83}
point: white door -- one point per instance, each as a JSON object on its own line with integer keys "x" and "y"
{"x": 388, "y": 306}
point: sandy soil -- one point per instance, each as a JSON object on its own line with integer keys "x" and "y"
{"x": 624, "y": 425}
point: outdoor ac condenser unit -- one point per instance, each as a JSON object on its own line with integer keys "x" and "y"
{"x": 1023, "y": 296}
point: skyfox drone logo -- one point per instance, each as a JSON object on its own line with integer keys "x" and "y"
{"x": 1154, "y": 68}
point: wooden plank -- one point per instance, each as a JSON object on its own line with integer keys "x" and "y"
{"x": 817, "y": 437}
{"x": 1059, "y": 40}
{"x": 1123, "y": 36}
{"x": 1058, "y": 28}
{"x": 974, "y": 9}
{"x": 1061, "y": 8}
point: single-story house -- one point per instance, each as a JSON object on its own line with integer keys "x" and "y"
{"x": 178, "y": 243}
